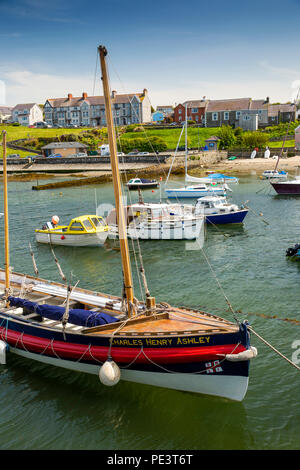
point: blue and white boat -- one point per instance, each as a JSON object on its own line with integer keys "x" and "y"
{"x": 217, "y": 210}
{"x": 215, "y": 184}
{"x": 196, "y": 191}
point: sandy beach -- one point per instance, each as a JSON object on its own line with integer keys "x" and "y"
{"x": 256, "y": 165}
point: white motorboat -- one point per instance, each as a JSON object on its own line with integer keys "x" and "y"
{"x": 85, "y": 230}
{"x": 274, "y": 174}
{"x": 217, "y": 210}
{"x": 158, "y": 221}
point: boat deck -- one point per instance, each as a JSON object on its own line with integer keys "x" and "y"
{"x": 163, "y": 321}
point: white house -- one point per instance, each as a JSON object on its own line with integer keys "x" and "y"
{"x": 27, "y": 114}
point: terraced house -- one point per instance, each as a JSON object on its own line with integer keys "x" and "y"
{"x": 90, "y": 110}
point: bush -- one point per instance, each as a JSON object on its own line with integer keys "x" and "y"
{"x": 153, "y": 144}
{"x": 130, "y": 127}
{"x": 250, "y": 140}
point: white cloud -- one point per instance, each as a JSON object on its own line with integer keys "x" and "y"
{"x": 26, "y": 86}
{"x": 2, "y": 93}
{"x": 23, "y": 86}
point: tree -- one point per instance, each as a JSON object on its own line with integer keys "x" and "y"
{"x": 227, "y": 137}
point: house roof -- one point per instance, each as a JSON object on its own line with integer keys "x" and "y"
{"x": 93, "y": 100}
{"x": 283, "y": 108}
{"x": 5, "y": 109}
{"x": 236, "y": 104}
{"x": 24, "y": 106}
{"x": 64, "y": 145}
{"x": 195, "y": 104}
{"x": 212, "y": 138}
{"x": 258, "y": 104}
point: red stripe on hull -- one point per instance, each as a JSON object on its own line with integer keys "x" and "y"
{"x": 77, "y": 351}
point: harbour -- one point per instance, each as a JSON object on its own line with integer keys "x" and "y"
{"x": 266, "y": 285}
{"x": 149, "y": 231}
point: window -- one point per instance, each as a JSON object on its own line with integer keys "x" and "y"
{"x": 97, "y": 221}
{"x": 194, "y": 110}
{"x": 214, "y": 116}
{"x": 77, "y": 227}
{"x": 87, "y": 224}
{"x": 226, "y": 115}
{"x": 237, "y": 114}
{"x": 179, "y": 111}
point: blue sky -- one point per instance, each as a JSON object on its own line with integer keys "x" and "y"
{"x": 177, "y": 50}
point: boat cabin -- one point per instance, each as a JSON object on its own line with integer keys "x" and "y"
{"x": 82, "y": 224}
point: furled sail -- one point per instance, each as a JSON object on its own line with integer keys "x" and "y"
{"x": 81, "y": 317}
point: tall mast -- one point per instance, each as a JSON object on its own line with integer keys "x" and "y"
{"x": 186, "y": 150}
{"x": 5, "y": 205}
{"x": 117, "y": 184}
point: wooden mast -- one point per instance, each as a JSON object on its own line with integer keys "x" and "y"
{"x": 117, "y": 184}
{"x": 6, "y": 232}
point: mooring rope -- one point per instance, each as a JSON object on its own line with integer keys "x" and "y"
{"x": 272, "y": 347}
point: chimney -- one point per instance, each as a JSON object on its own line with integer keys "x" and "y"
{"x": 113, "y": 94}
{"x": 267, "y": 100}
{"x": 145, "y": 91}
{"x": 84, "y": 96}
{"x": 70, "y": 96}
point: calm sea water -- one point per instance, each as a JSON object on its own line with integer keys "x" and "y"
{"x": 48, "y": 408}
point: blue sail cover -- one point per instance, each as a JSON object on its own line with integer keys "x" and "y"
{"x": 80, "y": 317}
{"x": 219, "y": 176}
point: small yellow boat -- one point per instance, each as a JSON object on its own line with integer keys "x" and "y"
{"x": 86, "y": 230}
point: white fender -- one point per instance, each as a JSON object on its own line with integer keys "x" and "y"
{"x": 242, "y": 356}
{"x": 109, "y": 373}
{"x": 3, "y": 349}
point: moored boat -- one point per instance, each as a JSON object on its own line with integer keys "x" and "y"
{"x": 217, "y": 210}
{"x": 274, "y": 175}
{"x": 85, "y": 230}
{"x": 288, "y": 188}
{"x": 293, "y": 252}
{"x": 196, "y": 191}
{"x": 142, "y": 183}
{"x": 157, "y": 221}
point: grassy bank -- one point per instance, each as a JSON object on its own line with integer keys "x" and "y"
{"x": 21, "y": 132}
{"x": 196, "y": 136}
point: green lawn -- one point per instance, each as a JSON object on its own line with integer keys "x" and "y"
{"x": 196, "y": 137}
{"x": 21, "y": 132}
{"x": 278, "y": 144}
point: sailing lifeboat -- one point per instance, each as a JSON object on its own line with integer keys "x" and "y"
{"x": 86, "y": 230}
{"x": 117, "y": 338}
{"x": 170, "y": 347}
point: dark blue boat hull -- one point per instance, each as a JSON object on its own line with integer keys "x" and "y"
{"x": 227, "y": 218}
